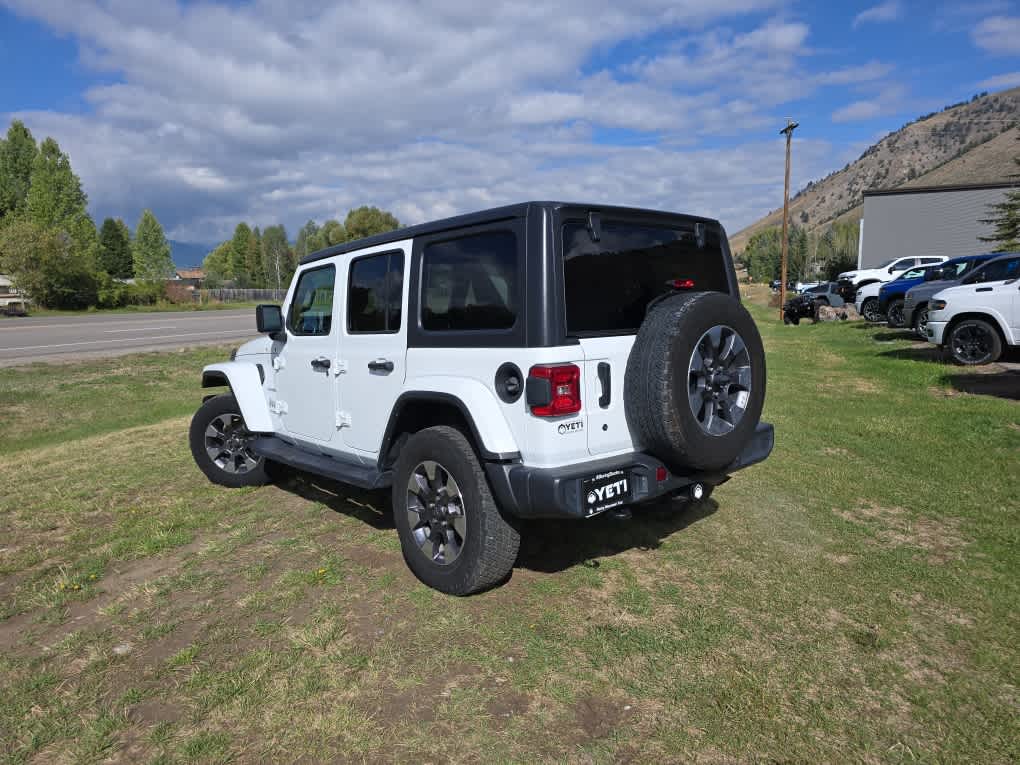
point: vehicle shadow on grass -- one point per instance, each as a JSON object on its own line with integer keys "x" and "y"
{"x": 369, "y": 507}
{"x": 549, "y": 546}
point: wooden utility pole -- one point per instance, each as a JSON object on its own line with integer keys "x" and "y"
{"x": 788, "y": 132}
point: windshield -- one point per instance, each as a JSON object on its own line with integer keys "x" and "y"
{"x": 885, "y": 263}
{"x": 609, "y": 282}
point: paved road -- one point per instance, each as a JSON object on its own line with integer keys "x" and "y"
{"x": 55, "y": 338}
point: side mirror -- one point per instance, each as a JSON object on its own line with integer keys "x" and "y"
{"x": 892, "y": 269}
{"x": 268, "y": 319}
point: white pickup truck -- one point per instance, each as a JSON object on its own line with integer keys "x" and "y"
{"x": 978, "y": 318}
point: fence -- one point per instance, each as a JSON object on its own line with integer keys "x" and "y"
{"x": 239, "y": 296}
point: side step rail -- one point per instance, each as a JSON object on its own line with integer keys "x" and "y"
{"x": 362, "y": 476}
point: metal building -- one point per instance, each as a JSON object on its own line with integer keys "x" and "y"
{"x": 929, "y": 220}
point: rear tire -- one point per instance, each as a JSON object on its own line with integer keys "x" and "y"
{"x": 452, "y": 534}
{"x": 221, "y": 445}
{"x": 894, "y": 314}
{"x": 973, "y": 342}
{"x": 870, "y": 312}
{"x": 695, "y": 381}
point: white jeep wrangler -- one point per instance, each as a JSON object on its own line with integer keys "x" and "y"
{"x": 541, "y": 360}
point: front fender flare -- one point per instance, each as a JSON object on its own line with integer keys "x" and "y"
{"x": 245, "y": 381}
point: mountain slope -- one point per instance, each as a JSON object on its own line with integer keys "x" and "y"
{"x": 973, "y": 142}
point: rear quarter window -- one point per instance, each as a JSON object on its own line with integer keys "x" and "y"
{"x": 609, "y": 283}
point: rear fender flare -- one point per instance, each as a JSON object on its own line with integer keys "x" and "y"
{"x": 245, "y": 381}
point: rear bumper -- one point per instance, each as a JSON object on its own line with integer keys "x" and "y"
{"x": 529, "y": 492}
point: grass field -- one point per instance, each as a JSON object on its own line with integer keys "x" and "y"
{"x": 854, "y": 598}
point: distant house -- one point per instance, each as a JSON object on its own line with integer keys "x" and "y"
{"x": 930, "y": 220}
{"x": 11, "y": 299}
{"x": 191, "y": 277}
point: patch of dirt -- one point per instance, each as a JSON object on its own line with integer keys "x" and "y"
{"x": 835, "y": 451}
{"x": 598, "y": 716}
{"x": 114, "y": 586}
{"x": 152, "y": 711}
{"x": 940, "y": 538}
{"x": 839, "y": 560}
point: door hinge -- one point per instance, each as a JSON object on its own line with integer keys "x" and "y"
{"x": 278, "y": 363}
{"x": 340, "y": 368}
{"x": 343, "y": 420}
{"x": 278, "y": 407}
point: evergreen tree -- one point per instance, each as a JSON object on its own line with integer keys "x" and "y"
{"x": 1006, "y": 219}
{"x": 150, "y": 250}
{"x": 253, "y": 259}
{"x": 239, "y": 255}
{"x": 17, "y": 154}
{"x": 115, "y": 249}
{"x": 366, "y": 221}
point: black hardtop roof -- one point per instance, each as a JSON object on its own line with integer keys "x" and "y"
{"x": 491, "y": 215}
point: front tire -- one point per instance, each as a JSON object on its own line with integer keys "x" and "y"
{"x": 973, "y": 342}
{"x": 869, "y": 310}
{"x": 921, "y": 322}
{"x": 452, "y": 534}
{"x": 895, "y": 314}
{"x": 221, "y": 445}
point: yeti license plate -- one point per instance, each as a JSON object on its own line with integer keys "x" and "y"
{"x": 605, "y": 491}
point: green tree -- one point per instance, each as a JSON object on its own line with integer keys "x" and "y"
{"x": 366, "y": 221}
{"x": 277, "y": 257}
{"x": 217, "y": 265}
{"x": 115, "y": 249}
{"x": 332, "y": 232}
{"x": 150, "y": 250}
{"x": 253, "y": 259}
{"x": 239, "y": 245}
{"x": 17, "y": 155}
{"x": 46, "y": 264}
{"x": 306, "y": 232}
{"x": 1006, "y": 219}
{"x": 763, "y": 254}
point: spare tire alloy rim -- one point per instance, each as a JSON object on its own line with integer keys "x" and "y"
{"x": 435, "y": 513}
{"x": 228, "y": 444}
{"x": 972, "y": 344}
{"x": 719, "y": 380}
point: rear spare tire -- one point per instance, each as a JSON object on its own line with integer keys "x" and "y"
{"x": 695, "y": 381}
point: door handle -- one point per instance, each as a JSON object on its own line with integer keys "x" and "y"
{"x": 321, "y": 363}
{"x": 605, "y": 381}
{"x": 381, "y": 365}
{"x": 983, "y": 289}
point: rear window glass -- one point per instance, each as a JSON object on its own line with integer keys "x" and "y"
{"x": 609, "y": 283}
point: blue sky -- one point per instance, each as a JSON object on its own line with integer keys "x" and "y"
{"x": 279, "y": 111}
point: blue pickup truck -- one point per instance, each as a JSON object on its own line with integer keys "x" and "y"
{"x": 890, "y": 296}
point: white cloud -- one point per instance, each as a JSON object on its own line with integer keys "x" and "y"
{"x": 888, "y": 100}
{"x": 884, "y": 12}
{"x": 284, "y": 110}
{"x": 999, "y": 35}
{"x": 1001, "y": 81}
{"x": 853, "y": 75}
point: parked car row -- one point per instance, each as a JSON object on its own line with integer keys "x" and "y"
{"x": 969, "y": 305}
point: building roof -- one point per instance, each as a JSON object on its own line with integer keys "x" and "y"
{"x": 191, "y": 273}
{"x": 939, "y": 189}
{"x": 492, "y": 215}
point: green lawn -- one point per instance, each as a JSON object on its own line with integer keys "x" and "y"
{"x": 854, "y": 598}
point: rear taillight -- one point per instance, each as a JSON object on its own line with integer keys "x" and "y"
{"x": 554, "y": 390}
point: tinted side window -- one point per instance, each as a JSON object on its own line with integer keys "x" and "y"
{"x": 311, "y": 310}
{"x": 375, "y": 293}
{"x": 930, "y": 260}
{"x": 997, "y": 272}
{"x": 470, "y": 283}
